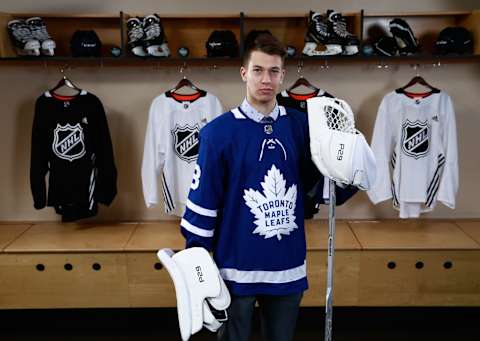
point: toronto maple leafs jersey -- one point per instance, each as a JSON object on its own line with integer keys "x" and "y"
{"x": 171, "y": 146}
{"x": 246, "y": 201}
{"x": 71, "y": 141}
{"x": 415, "y": 144}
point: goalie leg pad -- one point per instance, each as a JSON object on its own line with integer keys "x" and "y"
{"x": 196, "y": 279}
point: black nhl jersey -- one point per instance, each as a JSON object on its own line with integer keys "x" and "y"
{"x": 71, "y": 141}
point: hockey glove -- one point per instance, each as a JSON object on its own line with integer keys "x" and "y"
{"x": 338, "y": 149}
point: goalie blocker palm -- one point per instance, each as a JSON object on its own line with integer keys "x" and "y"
{"x": 202, "y": 297}
{"x": 339, "y": 151}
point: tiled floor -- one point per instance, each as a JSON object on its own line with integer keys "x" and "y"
{"x": 350, "y": 324}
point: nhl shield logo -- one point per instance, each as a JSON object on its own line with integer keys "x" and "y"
{"x": 186, "y": 142}
{"x": 68, "y": 142}
{"x": 416, "y": 138}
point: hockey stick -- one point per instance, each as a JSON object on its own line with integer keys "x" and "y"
{"x": 331, "y": 251}
{"x": 332, "y": 128}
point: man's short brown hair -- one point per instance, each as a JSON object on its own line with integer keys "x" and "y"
{"x": 265, "y": 42}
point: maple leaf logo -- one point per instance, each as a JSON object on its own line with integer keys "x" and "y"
{"x": 274, "y": 210}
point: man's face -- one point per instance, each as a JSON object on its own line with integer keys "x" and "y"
{"x": 263, "y": 76}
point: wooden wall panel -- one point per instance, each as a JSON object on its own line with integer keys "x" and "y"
{"x": 147, "y": 286}
{"x": 345, "y": 278}
{"x": 432, "y": 285}
{"x": 23, "y": 286}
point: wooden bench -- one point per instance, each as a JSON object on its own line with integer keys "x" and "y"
{"x": 377, "y": 263}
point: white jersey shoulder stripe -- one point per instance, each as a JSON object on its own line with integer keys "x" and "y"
{"x": 195, "y": 229}
{"x": 201, "y": 210}
{"x": 260, "y": 276}
{"x": 238, "y": 114}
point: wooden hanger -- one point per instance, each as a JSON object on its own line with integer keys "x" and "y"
{"x": 417, "y": 80}
{"x": 185, "y": 82}
{"x": 302, "y": 81}
{"x": 65, "y": 81}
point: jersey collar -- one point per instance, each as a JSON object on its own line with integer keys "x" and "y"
{"x": 256, "y": 116}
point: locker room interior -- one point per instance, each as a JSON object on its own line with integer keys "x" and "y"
{"x": 127, "y": 92}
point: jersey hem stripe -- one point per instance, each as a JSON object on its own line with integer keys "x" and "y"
{"x": 261, "y": 276}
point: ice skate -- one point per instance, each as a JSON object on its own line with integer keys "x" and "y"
{"x": 319, "y": 40}
{"x": 154, "y": 41}
{"x": 22, "y": 38}
{"x": 39, "y": 31}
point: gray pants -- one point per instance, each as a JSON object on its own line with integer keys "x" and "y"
{"x": 278, "y": 316}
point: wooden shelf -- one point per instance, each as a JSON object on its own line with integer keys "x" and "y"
{"x": 425, "y": 25}
{"x": 317, "y": 236}
{"x": 471, "y": 228}
{"x": 377, "y": 263}
{"x": 10, "y": 232}
{"x": 415, "y": 14}
{"x": 412, "y": 235}
{"x": 155, "y": 236}
{"x": 192, "y": 31}
{"x": 390, "y": 235}
{"x": 67, "y": 15}
{"x": 61, "y": 28}
{"x": 73, "y": 238}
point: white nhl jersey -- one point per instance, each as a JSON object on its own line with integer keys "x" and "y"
{"x": 171, "y": 146}
{"x": 415, "y": 144}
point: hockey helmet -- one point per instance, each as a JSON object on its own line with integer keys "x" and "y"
{"x": 454, "y": 40}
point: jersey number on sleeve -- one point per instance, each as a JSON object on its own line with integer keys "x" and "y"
{"x": 196, "y": 177}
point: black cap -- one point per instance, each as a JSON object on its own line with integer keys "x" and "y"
{"x": 85, "y": 44}
{"x": 222, "y": 44}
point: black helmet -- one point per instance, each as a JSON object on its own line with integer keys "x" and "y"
{"x": 454, "y": 40}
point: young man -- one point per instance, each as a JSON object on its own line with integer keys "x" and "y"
{"x": 246, "y": 199}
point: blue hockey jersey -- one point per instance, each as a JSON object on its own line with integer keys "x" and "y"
{"x": 246, "y": 201}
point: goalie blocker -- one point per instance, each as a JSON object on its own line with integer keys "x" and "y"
{"x": 338, "y": 149}
{"x": 202, "y": 297}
